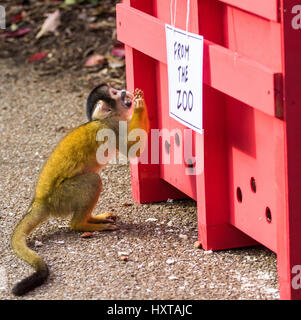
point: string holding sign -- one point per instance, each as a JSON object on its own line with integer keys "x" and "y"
{"x": 187, "y": 15}
{"x": 185, "y": 73}
{"x": 173, "y": 16}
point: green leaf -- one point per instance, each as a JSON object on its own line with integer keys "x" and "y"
{"x": 13, "y": 27}
{"x": 70, "y": 2}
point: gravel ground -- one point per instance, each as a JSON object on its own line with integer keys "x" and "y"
{"x": 35, "y": 114}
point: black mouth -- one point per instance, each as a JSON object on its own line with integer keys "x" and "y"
{"x": 128, "y": 103}
{"x": 125, "y": 99}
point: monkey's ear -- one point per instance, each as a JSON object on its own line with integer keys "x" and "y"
{"x": 101, "y": 110}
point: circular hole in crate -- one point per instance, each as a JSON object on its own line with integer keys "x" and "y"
{"x": 177, "y": 139}
{"x": 253, "y": 184}
{"x": 239, "y": 194}
{"x": 167, "y": 146}
{"x": 268, "y": 214}
{"x": 190, "y": 164}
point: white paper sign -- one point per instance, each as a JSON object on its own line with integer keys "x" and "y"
{"x": 185, "y": 77}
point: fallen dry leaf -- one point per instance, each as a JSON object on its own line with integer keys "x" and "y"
{"x": 118, "y": 51}
{"x": 101, "y": 24}
{"x": 116, "y": 64}
{"x": 17, "y": 33}
{"x": 98, "y": 11}
{"x": 37, "y": 56}
{"x": 50, "y": 24}
{"x": 95, "y": 59}
{"x": 16, "y": 18}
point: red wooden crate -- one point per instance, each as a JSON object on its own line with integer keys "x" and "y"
{"x": 250, "y": 188}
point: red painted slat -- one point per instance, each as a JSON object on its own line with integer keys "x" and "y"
{"x": 289, "y": 224}
{"x": 254, "y": 38}
{"x": 224, "y": 70}
{"x": 141, "y": 31}
{"x": 264, "y": 8}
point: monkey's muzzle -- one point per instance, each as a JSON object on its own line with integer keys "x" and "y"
{"x": 127, "y": 98}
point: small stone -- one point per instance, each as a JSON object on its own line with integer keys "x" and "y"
{"x": 170, "y": 261}
{"x": 127, "y": 204}
{"x": 151, "y": 220}
{"x": 122, "y": 253}
{"x": 169, "y": 201}
{"x": 124, "y": 258}
{"x": 169, "y": 223}
{"x": 172, "y": 278}
{"x": 183, "y": 236}
{"x": 197, "y": 245}
{"x": 38, "y": 243}
{"x": 86, "y": 235}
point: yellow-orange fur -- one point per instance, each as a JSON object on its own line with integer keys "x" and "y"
{"x": 70, "y": 184}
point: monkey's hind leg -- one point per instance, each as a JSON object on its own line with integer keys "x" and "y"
{"x": 81, "y": 193}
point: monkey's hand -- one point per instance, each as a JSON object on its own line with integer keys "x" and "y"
{"x": 139, "y": 120}
{"x": 139, "y": 99}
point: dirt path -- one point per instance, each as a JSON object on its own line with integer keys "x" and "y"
{"x": 35, "y": 113}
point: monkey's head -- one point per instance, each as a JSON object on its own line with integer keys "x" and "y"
{"x": 105, "y": 101}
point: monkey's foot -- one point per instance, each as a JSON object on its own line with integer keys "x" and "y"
{"x": 95, "y": 227}
{"x": 106, "y": 217}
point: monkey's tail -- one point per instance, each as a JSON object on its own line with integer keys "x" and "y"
{"x": 31, "y": 220}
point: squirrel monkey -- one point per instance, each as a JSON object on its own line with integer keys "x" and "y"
{"x": 69, "y": 182}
